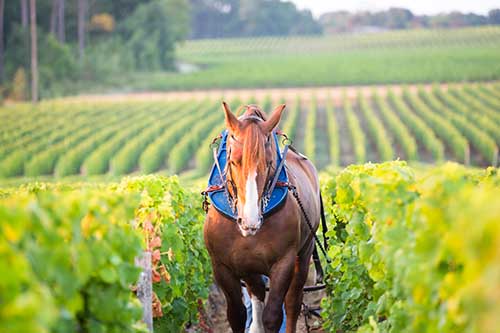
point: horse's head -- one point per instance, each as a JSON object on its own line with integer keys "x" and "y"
{"x": 251, "y": 161}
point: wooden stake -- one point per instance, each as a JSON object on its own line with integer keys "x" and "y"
{"x": 145, "y": 288}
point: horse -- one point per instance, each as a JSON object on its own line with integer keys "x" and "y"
{"x": 278, "y": 246}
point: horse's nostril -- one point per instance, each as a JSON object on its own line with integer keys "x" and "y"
{"x": 239, "y": 220}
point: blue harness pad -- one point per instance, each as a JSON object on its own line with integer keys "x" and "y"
{"x": 219, "y": 198}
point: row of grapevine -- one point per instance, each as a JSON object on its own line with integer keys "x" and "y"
{"x": 472, "y": 109}
{"x": 493, "y": 91}
{"x": 420, "y": 129}
{"x": 184, "y": 150}
{"x": 155, "y": 155}
{"x": 35, "y": 131}
{"x": 358, "y": 138}
{"x": 69, "y": 252}
{"x": 25, "y": 159}
{"x": 126, "y": 159}
{"x": 44, "y": 162}
{"x": 204, "y": 154}
{"x": 40, "y": 118}
{"x": 333, "y": 133}
{"x": 405, "y": 255}
{"x": 15, "y": 131}
{"x": 98, "y": 161}
{"x": 442, "y": 127}
{"x": 377, "y": 130}
{"x": 310, "y": 130}
{"x": 401, "y": 133}
{"x": 489, "y": 104}
{"x": 72, "y": 160}
{"x": 479, "y": 139}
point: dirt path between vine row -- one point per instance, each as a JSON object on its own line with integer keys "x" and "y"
{"x": 335, "y": 92}
{"x": 215, "y": 310}
{"x": 217, "y": 320}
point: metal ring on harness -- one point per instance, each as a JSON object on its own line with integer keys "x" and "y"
{"x": 286, "y": 141}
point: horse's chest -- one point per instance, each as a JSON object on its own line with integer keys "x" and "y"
{"x": 250, "y": 266}
{"x": 250, "y": 257}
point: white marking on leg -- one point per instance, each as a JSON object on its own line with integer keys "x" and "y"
{"x": 257, "y": 325}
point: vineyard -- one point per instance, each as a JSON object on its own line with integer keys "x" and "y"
{"x": 401, "y": 259}
{"x": 429, "y": 124}
{"x": 103, "y": 176}
{"x": 414, "y": 243}
{"x": 448, "y": 55}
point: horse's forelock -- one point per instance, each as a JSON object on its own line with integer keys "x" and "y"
{"x": 254, "y": 153}
{"x": 253, "y": 150}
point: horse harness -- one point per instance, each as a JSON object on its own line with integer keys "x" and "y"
{"x": 273, "y": 183}
{"x": 222, "y": 190}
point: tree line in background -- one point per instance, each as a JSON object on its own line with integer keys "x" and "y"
{"x": 81, "y": 42}
{"x": 401, "y": 18}
{"x": 86, "y": 40}
{"x": 241, "y": 18}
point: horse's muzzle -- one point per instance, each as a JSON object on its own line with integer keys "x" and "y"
{"x": 249, "y": 229}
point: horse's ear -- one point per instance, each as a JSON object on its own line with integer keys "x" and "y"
{"x": 273, "y": 121}
{"x": 232, "y": 123}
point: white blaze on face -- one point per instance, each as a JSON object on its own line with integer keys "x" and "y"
{"x": 251, "y": 215}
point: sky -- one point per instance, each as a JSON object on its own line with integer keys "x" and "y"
{"x": 419, "y": 7}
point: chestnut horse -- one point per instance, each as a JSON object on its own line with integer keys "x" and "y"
{"x": 278, "y": 246}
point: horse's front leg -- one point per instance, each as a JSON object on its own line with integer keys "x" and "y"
{"x": 280, "y": 278}
{"x": 231, "y": 287}
{"x": 294, "y": 296}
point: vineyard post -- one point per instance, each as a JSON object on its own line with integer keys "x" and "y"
{"x": 145, "y": 288}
